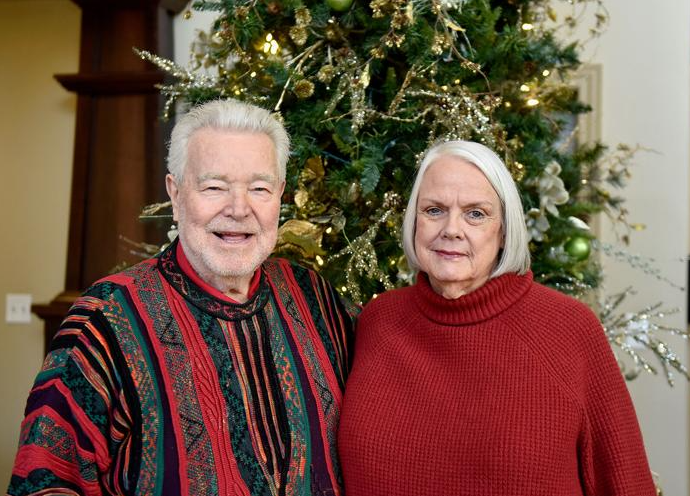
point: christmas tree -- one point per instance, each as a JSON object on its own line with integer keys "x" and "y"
{"x": 365, "y": 86}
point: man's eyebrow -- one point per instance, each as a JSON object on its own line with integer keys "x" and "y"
{"x": 269, "y": 178}
{"x": 222, "y": 177}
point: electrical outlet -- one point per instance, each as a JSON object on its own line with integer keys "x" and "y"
{"x": 18, "y": 308}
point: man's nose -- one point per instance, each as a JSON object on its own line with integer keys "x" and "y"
{"x": 237, "y": 204}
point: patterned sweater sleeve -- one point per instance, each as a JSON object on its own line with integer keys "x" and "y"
{"x": 76, "y": 421}
{"x": 612, "y": 454}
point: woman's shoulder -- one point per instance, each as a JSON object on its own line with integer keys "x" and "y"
{"x": 563, "y": 331}
{"x": 388, "y": 304}
{"x": 548, "y": 303}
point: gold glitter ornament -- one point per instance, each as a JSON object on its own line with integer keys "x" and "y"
{"x": 378, "y": 6}
{"x": 299, "y": 35}
{"x": 187, "y": 14}
{"x": 326, "y": 73}
{"x": 302, "y": 236}
{"x": 313, "y": 169}
{"x": 377, "y": 52}
{"x": 333, "y": 31}
{"x": 517, "y": 170}
{"x": 439, "y": 44}
{"x": 302, "y": 16}
{"x": 303, "y": 88}
{"x": 301, "y": 198}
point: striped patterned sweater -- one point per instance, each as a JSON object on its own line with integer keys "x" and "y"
{"x": 153, "y": 386}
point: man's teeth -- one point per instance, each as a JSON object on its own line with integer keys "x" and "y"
{"x": 232, "y": 236}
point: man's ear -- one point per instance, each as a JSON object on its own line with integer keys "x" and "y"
{"x": 282, "y": 188}
{"x": 173, "y": 192}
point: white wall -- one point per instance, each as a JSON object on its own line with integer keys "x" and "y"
{"x": 645, "y": 57}
{"x": 38, "y": 38}
{"x": 645, "y": 94}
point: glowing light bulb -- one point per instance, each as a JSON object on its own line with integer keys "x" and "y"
{"x": 319, "y": 260}
{"x": 527, "y": 26}
{"x": 532, "y": 102}
{"x": 329, "y": 230}
{"x": 271, "y": 46}
{"x": 524, "y": 88}
{"x": 546, "y": 72}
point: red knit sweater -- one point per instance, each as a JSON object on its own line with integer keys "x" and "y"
{"x": 511, "y": 390}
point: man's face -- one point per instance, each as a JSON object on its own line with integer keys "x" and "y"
{"x": 227, "y": 205}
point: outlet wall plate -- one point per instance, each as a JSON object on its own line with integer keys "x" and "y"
{"x": 18, "y": 308}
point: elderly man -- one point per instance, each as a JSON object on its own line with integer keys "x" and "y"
{"x": 210, "y": 369}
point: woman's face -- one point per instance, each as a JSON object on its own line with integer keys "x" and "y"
{"x": 458, "y": 229}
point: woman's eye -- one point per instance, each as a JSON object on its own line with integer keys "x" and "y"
{"x": 433, "y": 211}
{"x": 476, "y": 215}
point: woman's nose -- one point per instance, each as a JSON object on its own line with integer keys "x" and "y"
{"x": 454, "y": 227}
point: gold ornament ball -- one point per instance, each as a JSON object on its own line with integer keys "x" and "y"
{"x": 326, "y": 73}
{"x": 339, "y": 5}
{"x": 578, "y": 247}
{"x": 303, "y": 88}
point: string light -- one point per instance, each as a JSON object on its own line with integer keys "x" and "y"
{"x": 329, "y": 230}
{"x": 271, "y": 46}
{"x": 524, "y": 88}
{"x": 532, "y": 102}
{"x": 527, "y": 26}
{"x": 319, "y": 260}
{"x": 546, "y": 73}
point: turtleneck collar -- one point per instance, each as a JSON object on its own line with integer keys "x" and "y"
{"x": 497, "y": 295}
{"x": 178, "y": 272}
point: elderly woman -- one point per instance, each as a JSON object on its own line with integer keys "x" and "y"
{"x": 478, "y": 381}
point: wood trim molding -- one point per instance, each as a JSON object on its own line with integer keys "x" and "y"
{"x": 111, "y": 83}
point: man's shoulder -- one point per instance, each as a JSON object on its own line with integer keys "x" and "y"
{"x": 131, "y": 276}
{"x": 278, "y": 267}
{"x": 308, "y": 280}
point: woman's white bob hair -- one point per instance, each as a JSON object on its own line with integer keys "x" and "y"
{"x": 514, "y": 257}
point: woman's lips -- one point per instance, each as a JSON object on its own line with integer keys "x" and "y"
{"x": 450, "y": 255}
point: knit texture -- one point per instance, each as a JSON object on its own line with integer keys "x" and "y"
{"x": 156, "y": 386}
{"x": 511, "y": 390}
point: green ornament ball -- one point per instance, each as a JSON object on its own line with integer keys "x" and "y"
{"x": 578, "y": 247}
{"x": 339, "y": 5}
